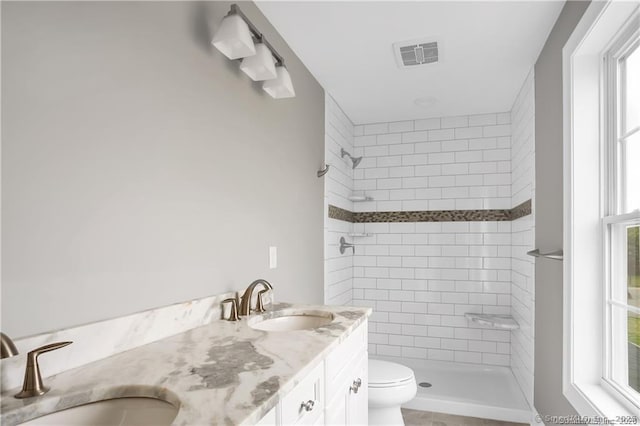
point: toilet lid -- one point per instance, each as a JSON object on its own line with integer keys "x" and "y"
{"x": 385, "y": 372}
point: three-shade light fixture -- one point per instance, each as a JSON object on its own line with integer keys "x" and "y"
{"x": 238, "y": 38}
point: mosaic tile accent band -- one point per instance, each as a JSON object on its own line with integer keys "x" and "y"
{"x": 433, "y": 216}
{"x": 341, "y": 214}
{"x": 521, "y": 210}
{"x": 504, "y": 215}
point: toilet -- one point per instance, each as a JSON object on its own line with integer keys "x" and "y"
{"x": 390, "y": 386}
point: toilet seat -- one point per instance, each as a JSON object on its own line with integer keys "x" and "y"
{"x": 384, "y": 374}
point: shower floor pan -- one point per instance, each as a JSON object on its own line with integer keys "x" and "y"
{"x": 467, "y": 390}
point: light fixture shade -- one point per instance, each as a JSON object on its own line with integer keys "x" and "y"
{"x": 261, "y": 66}
{"x": 281, "y": 86}
{"x": 233, "y": 38}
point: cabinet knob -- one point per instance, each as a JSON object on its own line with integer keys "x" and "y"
{"x": 355, "y": 387}
{"x": 308, "y": 406}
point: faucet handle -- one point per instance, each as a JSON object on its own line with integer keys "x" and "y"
{"x": 47, "y": 348}
{"x": 32, "y": 385}
{"x": 233, "y": 315}
{"x": 260, "y": 302}
{"x": 7, "y": 347}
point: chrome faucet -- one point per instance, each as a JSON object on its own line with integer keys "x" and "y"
{"x": 245, "y": 301}
{"x": 7, "y": 347}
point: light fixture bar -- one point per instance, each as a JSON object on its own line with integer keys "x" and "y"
{"x": 235, "y": 10}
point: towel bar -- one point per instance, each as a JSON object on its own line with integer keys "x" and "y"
{"x": 555, "y": 255}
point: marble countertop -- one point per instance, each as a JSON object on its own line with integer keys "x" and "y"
{"x": 221, "y": 373}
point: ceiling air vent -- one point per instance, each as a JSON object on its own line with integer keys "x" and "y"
{"x": 415, "y": 52}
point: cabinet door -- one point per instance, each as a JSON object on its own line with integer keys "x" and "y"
{"x": 305, "y": 403}
{"x": 346, "y": 366}
{"x": 358, "y": 401}
{"x": 349, "y": 399}
{"x": 336, "y": 413}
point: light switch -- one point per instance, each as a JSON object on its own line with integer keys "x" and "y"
{"x": 273, "y": 257}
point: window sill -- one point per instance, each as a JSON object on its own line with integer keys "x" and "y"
{"x": 594, "y": 400}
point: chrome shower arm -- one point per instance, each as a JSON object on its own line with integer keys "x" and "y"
{"x": 324, "y": 171}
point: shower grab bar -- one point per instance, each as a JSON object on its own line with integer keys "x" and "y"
{"x": 555, "y": 255}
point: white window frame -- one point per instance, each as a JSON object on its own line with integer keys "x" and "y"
{"x": 586, "y": 173}
{"x": 615, "y": 217}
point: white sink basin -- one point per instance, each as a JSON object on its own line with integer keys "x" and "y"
{"x": 111, "y": 412}
{"x": 283, "y": 321}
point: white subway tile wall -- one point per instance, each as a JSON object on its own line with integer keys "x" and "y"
{"x": 338, "y": 184}
{"x": 523, "y": 237}
{"x": 448, "y": 163}
{"x": 421, "y": 278}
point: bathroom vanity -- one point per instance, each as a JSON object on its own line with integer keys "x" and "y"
{"x": 227, "y": 372}
{"x": 335, "y": 392}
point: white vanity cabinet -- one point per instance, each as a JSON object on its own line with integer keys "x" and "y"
{"x": 334, "y": 393}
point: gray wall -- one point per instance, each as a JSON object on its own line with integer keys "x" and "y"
{"x": 140, "y": 167}
{"x": 548, "y": 397}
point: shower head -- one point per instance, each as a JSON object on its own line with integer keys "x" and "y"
{"x": 355, "y": 160}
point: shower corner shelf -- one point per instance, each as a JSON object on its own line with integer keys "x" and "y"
{"x": 505, "y": 322}
{"x": 360, "y": 234}
{"x": 359, "y": 198}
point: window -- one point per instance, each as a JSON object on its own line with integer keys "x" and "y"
{"x": 601, "y": 288}
{"x": 621, "y": 221}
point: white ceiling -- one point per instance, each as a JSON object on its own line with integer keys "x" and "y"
{"x": 487, "y": 48}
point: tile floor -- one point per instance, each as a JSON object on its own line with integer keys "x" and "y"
{"x": 428, "y": 418}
